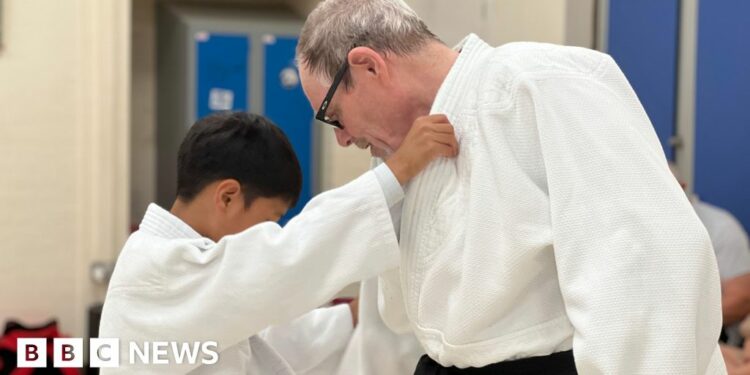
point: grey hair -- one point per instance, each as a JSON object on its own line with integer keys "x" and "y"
{"x": 337, "y": 26}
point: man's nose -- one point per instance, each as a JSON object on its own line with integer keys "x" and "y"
{"x": 343, "y": 138}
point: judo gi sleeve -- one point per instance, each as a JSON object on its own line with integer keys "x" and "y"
{"x": 313, "y": 340}
{"x": 635, "y": 265}
{"x": 268, "y": 275}
{"x": 391, "y": 304}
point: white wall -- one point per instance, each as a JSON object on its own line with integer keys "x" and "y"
{"x": 143, "y": 109}
{"x": 502, "y": 21}
{"x": 63, "y": 170}
{"x": 580, "y": 23}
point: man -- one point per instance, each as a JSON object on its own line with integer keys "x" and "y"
{"x": 557, "y": 242}
{"x": 218, "y": 268}
{"x": 732, "y": 251}
{"x": 733, "y": 257}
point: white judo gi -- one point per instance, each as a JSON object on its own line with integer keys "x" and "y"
{"x": 171, "y": 284}
{"x": 374, "y": 349}
{"x": 312, "y": 344}
{"x": 559, "y": 225}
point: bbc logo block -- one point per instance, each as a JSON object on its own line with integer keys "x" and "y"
{"x": 67, "y": 353}
{"x": 32, "y": 353}
{"x": 104, "y": 353}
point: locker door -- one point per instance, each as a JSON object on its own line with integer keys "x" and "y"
{"x": 642, "y": 38}
{"x": 222, "y": 72}
{"x": 287, "y": 106}
{"x": 722, "y": 107}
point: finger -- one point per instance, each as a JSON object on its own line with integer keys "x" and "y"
{"x": 445, "y": 151}
{"x": 446, "y": 139}
{"x": 444, "y": 127}
{"x": 454, "y": 145}
{"x": 439, "y": 117}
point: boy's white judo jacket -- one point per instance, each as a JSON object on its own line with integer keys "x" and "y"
{"x": 558, "y": 226}
{"x": 374, "y": 349}
{"x": 171, "y": 284}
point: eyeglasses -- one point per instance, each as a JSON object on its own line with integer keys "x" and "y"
{"x": 321, "y": 115}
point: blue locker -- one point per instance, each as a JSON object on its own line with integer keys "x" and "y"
{"x": 222, "y": 68}
{"x": 643, "y": 39}
{"x": 722, "y": 117}
{"x": 287, "y": 106}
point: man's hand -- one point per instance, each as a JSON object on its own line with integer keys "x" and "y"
{"x": 429, "y": 138}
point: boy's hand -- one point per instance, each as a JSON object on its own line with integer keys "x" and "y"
{"x": 430, "y": 137}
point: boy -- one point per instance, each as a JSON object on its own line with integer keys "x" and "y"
{"x": 217, "y": 268}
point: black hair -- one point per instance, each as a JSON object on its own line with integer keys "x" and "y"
{"x": 242, "y": 146}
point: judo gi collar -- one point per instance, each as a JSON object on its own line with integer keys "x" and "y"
{"x": 160, "y": 222}
{"x": 446, "y": 101}
{"x": 422, "y": 195}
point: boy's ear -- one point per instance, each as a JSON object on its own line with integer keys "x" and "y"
{"x": 227, "y": 192}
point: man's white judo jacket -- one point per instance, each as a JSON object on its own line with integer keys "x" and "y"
{"x": 558, "y": 226}
{"x": 171, "y": 284}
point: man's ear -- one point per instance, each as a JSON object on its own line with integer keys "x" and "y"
{"x": 368, "y": 61}
{"x": 227, "y": 192}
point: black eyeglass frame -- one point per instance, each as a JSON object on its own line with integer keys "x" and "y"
{"x": 321, "y": 114}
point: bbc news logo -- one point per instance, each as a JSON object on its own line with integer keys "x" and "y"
{"x": 68, "y": 352}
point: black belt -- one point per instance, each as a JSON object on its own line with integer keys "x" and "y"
{"x": 561, "y": 363}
